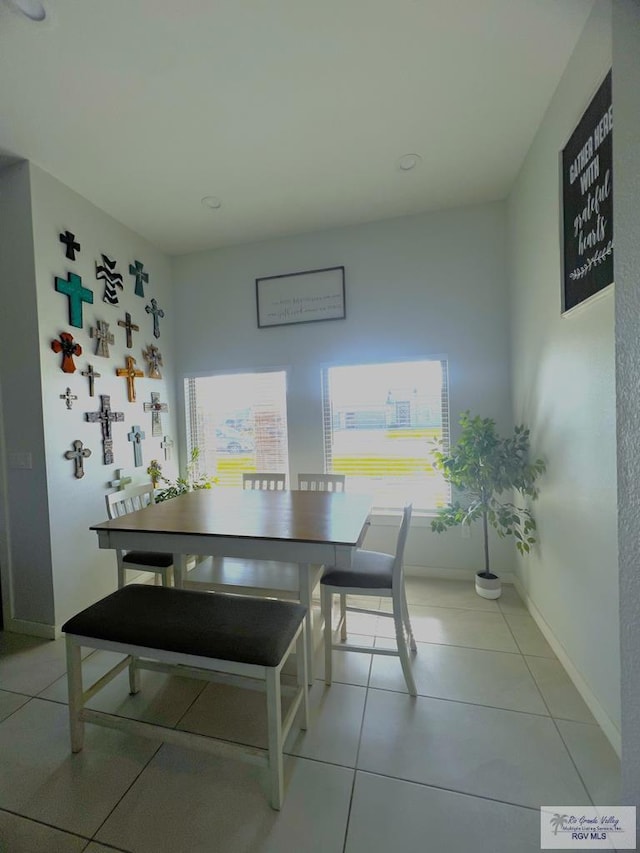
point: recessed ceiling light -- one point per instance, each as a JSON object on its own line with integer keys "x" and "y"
{"x": 32, "y": 9}
{"x": 408, "y": 162}
{"x": 212, "y": 202}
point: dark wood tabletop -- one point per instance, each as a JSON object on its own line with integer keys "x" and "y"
{"x": 294, "y": 516}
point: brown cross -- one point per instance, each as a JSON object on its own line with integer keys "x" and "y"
{"x": 105, "y": 417}
{"x": 130, "y": 327}
{"x": 91, "y": 376}
{"x": 78, "y": 454}
{"x": 130, "y": 373}
{"x": 153, "y": 357}
{"x": 68, "y": 349}
{"x": 103, "y": 337}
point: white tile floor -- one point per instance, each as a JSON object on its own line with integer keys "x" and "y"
{"x": 496, "y": 730}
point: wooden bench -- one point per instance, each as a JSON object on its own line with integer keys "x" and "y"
{"x": 197, "y": 635}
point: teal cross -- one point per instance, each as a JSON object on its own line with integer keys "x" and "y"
{"x": 136, "y": 268}
{"x": 72, "y": 287}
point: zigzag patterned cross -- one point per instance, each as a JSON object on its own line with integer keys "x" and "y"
{"x": 107, "y": 272}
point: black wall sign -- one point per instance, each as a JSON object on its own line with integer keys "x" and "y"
{"x": 587, "y": 202}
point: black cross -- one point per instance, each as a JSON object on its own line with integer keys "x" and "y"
{"x": 130, "y": 327}
{"x": 157, "y": 312}
{"x": 72, "y": 247}
{"x": 91, "y": 376}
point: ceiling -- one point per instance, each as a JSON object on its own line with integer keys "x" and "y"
{"x": 293, "y": 113}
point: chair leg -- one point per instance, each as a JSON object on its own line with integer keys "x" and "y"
{"x": 327, "y": 604}
{"x": 402, "y": 649}
{"x": 407, "y": 622}
{"x": 134, "y": 677}
{"x": 121, "y": 575}
{"x": 343, "y": 618}
{"x": 74, "y": 686}
{"x": 301, "y": 675}
{"x": 274, "y": 727}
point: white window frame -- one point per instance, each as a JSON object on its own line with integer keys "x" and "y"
{"x": 390, "y": 513}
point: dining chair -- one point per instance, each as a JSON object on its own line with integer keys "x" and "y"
{"x": 325, "y": 483}
{"x": 372, "y": 574}
{"x": 321, "y": 482}
{"x": 264, "y": 482}
{"x": 246, "y": 576}
{"x": 126, "y": 501}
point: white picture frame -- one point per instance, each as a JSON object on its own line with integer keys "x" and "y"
{"x": 311, "y": 296}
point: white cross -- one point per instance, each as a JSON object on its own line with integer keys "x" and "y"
{"x": 121, "y": 481}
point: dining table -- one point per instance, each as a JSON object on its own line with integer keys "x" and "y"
{"x": 309, "y": 528}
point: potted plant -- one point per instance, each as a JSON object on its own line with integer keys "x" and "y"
{"x": 190, "y": 482}
{"x": 481, "y": 466}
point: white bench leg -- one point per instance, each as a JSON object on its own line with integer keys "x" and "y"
{"x": 74, "y": 684}
{"x": 274, "y": 729}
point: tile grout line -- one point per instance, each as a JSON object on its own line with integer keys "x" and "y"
{"x": 355, "y": 767}
{"x": 44, "y": 823}
{"x": 553, "y": 719}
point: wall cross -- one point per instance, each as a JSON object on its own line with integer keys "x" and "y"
{"x": 78, "y": 454}
{"x": 105, "y": 417}
{"x": 130, "y": 374}
{"x": 130, "y": 327}
{"x": 136, "y": 436}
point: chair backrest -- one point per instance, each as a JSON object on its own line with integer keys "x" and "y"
{"x": 321, "y": 482}
{"x": 264, "y": 482}
{"x": 129, "y": 500}
{"x": 397, "y": 573}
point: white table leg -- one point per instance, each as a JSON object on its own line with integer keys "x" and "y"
{"x": 304, "y": 586}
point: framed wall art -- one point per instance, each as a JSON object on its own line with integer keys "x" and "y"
{"x": 587, "y": 202}
{"x": 301, "y": 297}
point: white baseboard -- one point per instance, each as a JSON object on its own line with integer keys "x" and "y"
{"x": 34, "y": 629}
{"x": 449, "y": 574}
{"x": 611, "y": 731}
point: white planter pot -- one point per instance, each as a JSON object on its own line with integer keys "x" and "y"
{"x": 488, "y": 587}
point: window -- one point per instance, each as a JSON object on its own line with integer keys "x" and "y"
{"x": 379, "y": 420}
{"x": 239, "y": 423}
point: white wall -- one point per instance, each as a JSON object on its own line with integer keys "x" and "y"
{"x": 626, "y": 171}
{"x": 76, "y": 570}
{"x": 564, "y": 388}
{"x": 25, "y": 548}
{"x": 433, "y": 284}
